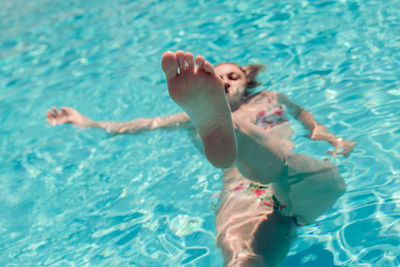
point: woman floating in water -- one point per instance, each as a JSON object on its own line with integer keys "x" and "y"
{"x": 268, "y": 190}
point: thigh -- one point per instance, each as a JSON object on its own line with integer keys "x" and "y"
{"x": 255, "y": 238}
{"x": 273, "y": 238}
{"x": 249, "y": 232}
{"x": 309, "y": 187}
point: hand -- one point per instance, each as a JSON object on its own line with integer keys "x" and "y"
{"x": 321, "y": 133}
{"x": 66, "y": 115}
{"x": 346, "y": 146}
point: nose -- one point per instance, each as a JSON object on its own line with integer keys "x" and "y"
{"x": 227, "y": 85}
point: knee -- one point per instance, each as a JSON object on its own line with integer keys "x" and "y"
{"x": 340, "y": 186}
{"x": 260, "y": 173}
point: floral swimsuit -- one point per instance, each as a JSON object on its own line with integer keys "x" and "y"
{"x": 274, "y": 114}
{"x": 271, "y": 116}
{"x": 265, "y": 194}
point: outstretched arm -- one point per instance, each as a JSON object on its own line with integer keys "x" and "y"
{"x": 70, "y": 115}
{"x": 317, "y": 130}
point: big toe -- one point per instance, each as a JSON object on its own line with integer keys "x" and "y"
{"x": 169, "y": 64}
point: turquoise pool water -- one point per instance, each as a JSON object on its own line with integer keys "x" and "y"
{"x": 73, "y": 197}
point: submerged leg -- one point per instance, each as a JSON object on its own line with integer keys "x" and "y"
{"x": 200, "y": 93}
{"x": 307, "y": 187}
{"x": 259, "y": 157}
{"x": 249, "y": 232}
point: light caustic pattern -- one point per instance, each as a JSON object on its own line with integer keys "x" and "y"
{"x": 74, "y": 197}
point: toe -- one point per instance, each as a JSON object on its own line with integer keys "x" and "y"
{"x": 200, "y": 62}
{"x": 208, "y": 67}
{"x": 189, "y": 59}
{"x": 169, "y": 64}
{"x": 180, "y": 55}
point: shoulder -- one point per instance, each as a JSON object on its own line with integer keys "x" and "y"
{"x": 284, "y": 99}
{"x": 294, "y": 109}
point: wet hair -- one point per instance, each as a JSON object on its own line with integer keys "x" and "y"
{"x": 250, "y": 71}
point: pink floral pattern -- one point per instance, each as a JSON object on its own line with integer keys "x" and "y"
{"x": 264, "y": 193}
{"x": 271, "y": 116}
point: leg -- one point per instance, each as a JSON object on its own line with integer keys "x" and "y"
{"x": 309, "y": 187}
{"x": 261, "y": 241}
{"x": 306, "y": 186}
{"x": 200, "y": 93}
{"x": 259, "y": 156}
{"x": 249, "y": 232}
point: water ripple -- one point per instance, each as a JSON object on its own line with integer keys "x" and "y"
{"x": 82, "y": 197}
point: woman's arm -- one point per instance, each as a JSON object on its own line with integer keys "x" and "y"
{"x": 70, "y": 115}
{"x": 317, "y": 130}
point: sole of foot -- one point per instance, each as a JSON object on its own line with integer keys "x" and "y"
{"x": 200, "y": 93}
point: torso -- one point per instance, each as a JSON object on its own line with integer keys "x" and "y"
{"x": 263, "y": 110}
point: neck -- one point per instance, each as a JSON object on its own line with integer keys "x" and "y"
{"x": 235, "y": 106}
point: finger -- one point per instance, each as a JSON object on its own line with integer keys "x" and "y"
{"x": 64, "y": 110}
{"x": 344, "y": 154}
{"x": 347, "y": 152}
{"x": 57, "y": 113}
{"x": 50, "y": 114}
{"x": 333, "y": 153}
{"x": 51, "y": 121}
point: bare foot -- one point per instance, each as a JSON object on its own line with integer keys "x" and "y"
{"x": 200, "y": 93}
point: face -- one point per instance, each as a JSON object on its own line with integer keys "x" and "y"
{"x": 234, "y": 80}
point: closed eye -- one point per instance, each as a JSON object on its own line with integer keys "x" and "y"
{"x": 233, "y": 76}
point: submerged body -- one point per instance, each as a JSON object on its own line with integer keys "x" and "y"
{"x": 250, "y": 231}
{"x": 249, "y": 137}
{"x": 256, "y": 223}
